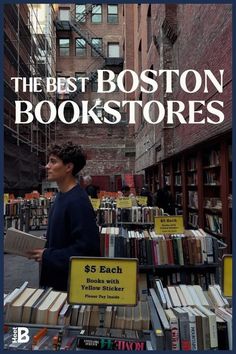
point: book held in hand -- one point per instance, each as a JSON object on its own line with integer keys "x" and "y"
{"x": 20, "y": 243}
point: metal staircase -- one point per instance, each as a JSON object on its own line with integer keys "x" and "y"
{"x": 87, "y": 35}
{"x": 82, "y": 17}
{"x": 77, "y": 24}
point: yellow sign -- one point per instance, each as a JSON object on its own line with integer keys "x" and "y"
{"x": 124, "y": 203}
{"x": 141, "y": 200}
{"x": 169, "y": 225}
{"x": 95, "y": 203}
{"x": 103, "y": 281}
{"x": 6, "y": 197}
{"x": 227, "y": 275}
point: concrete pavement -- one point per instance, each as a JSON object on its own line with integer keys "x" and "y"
{"x": 18, "y": 269}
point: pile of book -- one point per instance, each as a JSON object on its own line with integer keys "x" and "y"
{"x": 204, "y": 276}
{"x": 193, "y": 247}
{"x": 185, "y": 317}
{"x": 49, "y": 307}
{"x": 214, "y": 223}
{"x": 136, "y": 214}
{"x": 13, "y": 213}
{"x": 34, "y": 212}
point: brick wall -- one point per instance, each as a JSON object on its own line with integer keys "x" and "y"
{"x": 200, "y": 38}
{"x": 106, "y": 146}
{"x": 204, "y": 42}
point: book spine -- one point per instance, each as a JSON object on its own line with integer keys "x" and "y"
{"x": 184, "y": 333}
{"x": 175, "y": 338}
{"x": 193, "y": 335}
{"x": 110, "y": 344}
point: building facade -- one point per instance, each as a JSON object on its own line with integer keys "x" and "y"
{"x": 90, "y": 38}
{"x": 29, "y": 51}
{"x": 193, "y": 161}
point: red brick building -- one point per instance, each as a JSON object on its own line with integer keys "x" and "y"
{"x": 193, "y": 160}
{"x": 89, "y": 38}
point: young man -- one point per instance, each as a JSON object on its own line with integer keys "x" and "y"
{"x": 72, "y": 229}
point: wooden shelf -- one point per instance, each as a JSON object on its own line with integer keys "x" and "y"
{"x": 180, "y": 267}
{"x": 213, "y": 210}
{"x": 207, "y": 162}
{"x": 191, "y": 171}
{"x": 211, "y": 185}
{"x": 213, "y": 232}
{"x": 210, "y": 166}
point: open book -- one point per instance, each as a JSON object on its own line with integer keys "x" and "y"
{"x": 19, "y": 242}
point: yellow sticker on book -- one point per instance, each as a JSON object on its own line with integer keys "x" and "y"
{"x": 6, "y": 197}
{"x": 124, "y": 203}
{"x": 103, "y": 281}
{"x": 95, "y": 203}
{"x": 227, "y": 275}
{"x": 141, "y": 200}
{"x": 158, "y": 331}
{"x": 169, "y": 225}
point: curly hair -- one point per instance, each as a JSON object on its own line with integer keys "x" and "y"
{"x": 69, "y": 152}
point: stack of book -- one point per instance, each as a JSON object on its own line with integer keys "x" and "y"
{"x": 189, "y": 318}
{"x": 49, "y": 307}
{"x": 183, "y": 317}
{"x": 136, "y": 214}
{"x": 192, "y": 248}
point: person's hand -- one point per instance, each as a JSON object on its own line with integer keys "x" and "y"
{"x": 36, "y": 254}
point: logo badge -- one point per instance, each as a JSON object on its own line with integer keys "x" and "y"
{"x": 20, "y": 335}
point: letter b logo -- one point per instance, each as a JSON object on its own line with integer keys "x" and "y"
{"x": 22, "y": 333}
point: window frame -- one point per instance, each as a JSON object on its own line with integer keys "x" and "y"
{"x": 109, "y": 45}
{"x": 93, "y": 52}
{"x": 112, "y": 15}
{"x": 64, "y": 47}
{"x": 82, "y": 13}
{"x": 64, "y": 9}
{"x": 84, "y": 48}
{"x": 96, "y": 14}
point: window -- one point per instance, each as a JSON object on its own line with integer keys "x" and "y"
{"x": 96, "y": 43}
{"x": 80, "y": 13}
{"x": 113, "y": 50}
{"x": 80, "y": 47}
{"x": 96, "y": 14}
{"x": 94, "y": 82}
{"x": 112, "y": 13}
{"x": 64, "y": 14}
{"x": 64, "y": 47}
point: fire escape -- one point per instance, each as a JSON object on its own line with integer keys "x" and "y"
{"x": 77, "y": 23}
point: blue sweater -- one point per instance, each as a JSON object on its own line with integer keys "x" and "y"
{"x": 72, "y": 231}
